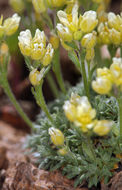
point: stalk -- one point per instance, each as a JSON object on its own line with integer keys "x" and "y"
{"x": 12, "y": 98}
{"x": 119, "y": 100}
{"x": 86, "y": 87}
{"x": 38, "y": 94}
{"x": 57, "y": 71}
{"x": 52, "y": 85}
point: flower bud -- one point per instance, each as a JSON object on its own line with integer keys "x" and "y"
{"x": 54, "y": 40}
{"x": 89, "y": 21}
{"x": 25, "y": 42}
{"x": 103, "y": 127}
{"x": 35, "y": 77}
{"x": 115, "y": 36}
{"x": 39, "y": 6}
{"x": 64, "y": 33}
{"x": 48, "y": 55}
{"x": 57, "y": 136}
{"x": 77, "y": 35}
{"x": 17, "y": 5}
{"x": 115, "y": 21}
{"x": 11, "y": 24}
{"x": 90, "y": 54}
{"x": 1, "y": 27}
{"x": 89, "y": 40}
{"x": 63, "y": 151}
{"x": 116, "y": 71}
{"x": 102, "y": 85}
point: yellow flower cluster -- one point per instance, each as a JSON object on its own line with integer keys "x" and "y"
{"x": 79, "y": 111}
{"x": 9, "y": 26}
{"x": 110, "y": 32}
{"x": 74, "y": 27}
{"x": 36, "y": 47}
{"x": 108, "y": 77}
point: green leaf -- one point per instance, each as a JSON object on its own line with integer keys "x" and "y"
{"x": 87, "y": 151}
{"x": 73, "y": 57}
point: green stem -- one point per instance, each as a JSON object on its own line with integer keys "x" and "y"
{"x": 83, "y": 72}
{"x": 57, "y": 70}
{"x": 12, "y": 98}
{"x": 121, "y": 51}
{"x": 89, "y": 74}
{"x": 41, "y": 101}
{"x": 90, "y": 144}
{"x": 119, "y": 100}
{"x": 52, "y": 85}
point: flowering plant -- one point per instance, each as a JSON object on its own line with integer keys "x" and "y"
{"x": 81, "y": 131}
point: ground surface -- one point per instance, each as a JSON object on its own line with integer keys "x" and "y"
{"x": 17, "y": 171}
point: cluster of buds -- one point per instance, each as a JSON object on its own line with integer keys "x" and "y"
{"x": 79, "y": 111}
{"x": 106, "y": 78}
{"x": 58, "y": 139}
{"x": 36, "y": 47}
{"x": 9, "y": 26}
{"x": 74, "y": 27}
{"x": 110, "y": 32}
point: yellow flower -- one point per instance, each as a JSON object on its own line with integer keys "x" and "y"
{"x": 63, "y": 151}
{"x": 57, "y": 136}
{"x": 89, "y": 21}
{"x": 104, "y": 72}
{"x": 56, "y": 3}
{"x": 104, "y": 36}
{"x": 11, "y": 24}
{"x": 38, "y": 45}
{"x": 89, "y": 40}
{"x": 102, "y": 85}
{"x": 35, "y": 77}
{"x": 70, "y": 20}
{"x": 64, "y": 33}
{"x": 79, "y": 111}
{"x": 103, "y": 127}
{"x": 17, "y": 5}
{"x": 90, "y": 54}
{"x": 115, "y": 36}
{"x": 39, "y": 6}
{"x": 116, "y": 71}
{"x": 115, "y": 21}
{"x": 54, "y": 40}
{"x": 48, "y": 55}
{"x": 25, "y": 39}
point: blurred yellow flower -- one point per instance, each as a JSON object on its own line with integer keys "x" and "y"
{"x": 115, "y": 21}
{"x": 54, "y": 40}
{"x": 63, "y": 151}
{"x": 116, "y": 71}
{"x": 79, "y": 110}
{"x": 57, "y": 136}
{"x": 103, "y": 127}
{"x": 39, "y": 6}
{"x": 17, "y": 5}
{"x": 56, "y": 3}
{"x": 10, "y": 25}
{"x": 89, "y": 21}
{"x": 90, "y": 53}
{"x": 64, "y": 33}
